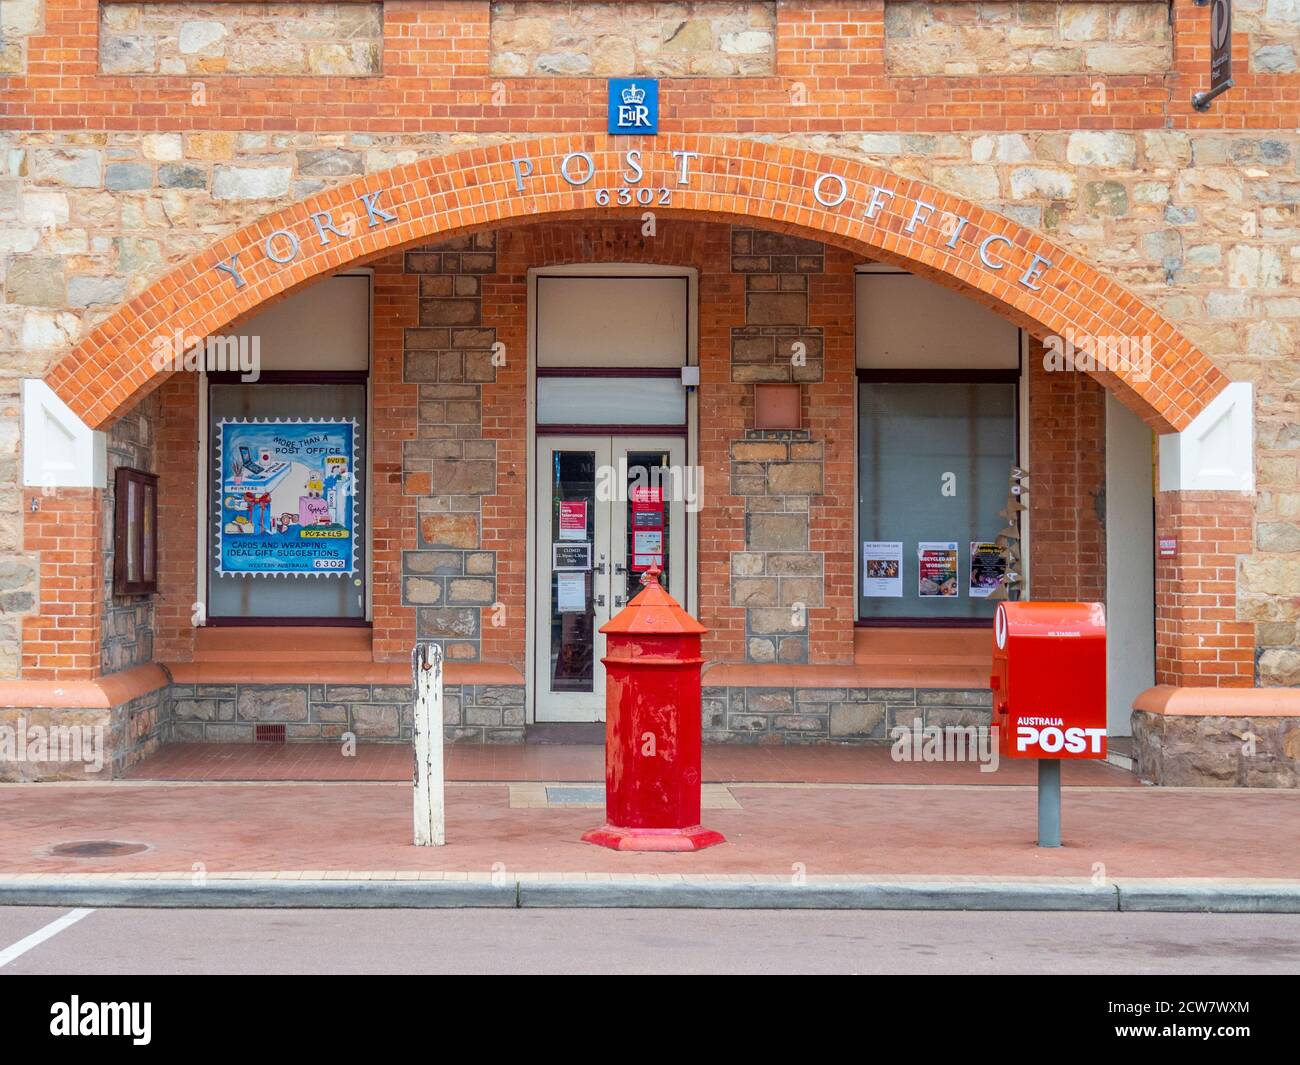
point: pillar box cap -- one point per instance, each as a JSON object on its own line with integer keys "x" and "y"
{"x": 653, "y": 612}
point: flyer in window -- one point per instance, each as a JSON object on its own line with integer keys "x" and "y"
{"x": 937, "y": 569}
{"x": 287, "y": 497}
{"x": 882, "y": 569}
{"x": 986, "y": 568}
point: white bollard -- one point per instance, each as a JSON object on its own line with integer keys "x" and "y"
{"x": 426, "y": 666}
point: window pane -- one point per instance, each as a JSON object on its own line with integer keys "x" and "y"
{"x": 290, "y": 501}
{"x": 147, "y": 548}
{"x": 573, "y": 515}
{"x": 132, "y": 530}
{"x": 914, "y": 440}
{"x": 610, "y": 401}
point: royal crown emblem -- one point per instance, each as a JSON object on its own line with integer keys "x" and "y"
{"x": 633, "y": 94}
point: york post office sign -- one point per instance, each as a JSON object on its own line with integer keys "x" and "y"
{"x": 633, "y": 105}
{"x": 641, "y": 177}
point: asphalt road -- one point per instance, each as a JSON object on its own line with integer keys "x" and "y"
{"x": 112, "y": 941}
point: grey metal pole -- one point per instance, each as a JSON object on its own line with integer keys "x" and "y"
{"x": 1049, "y": 802}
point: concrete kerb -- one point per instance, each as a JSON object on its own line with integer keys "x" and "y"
{"x": 653, "y": 891}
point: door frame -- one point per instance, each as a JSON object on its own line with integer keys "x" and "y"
{"x": 609, "y": 529}
{"x": 530, "y": 487}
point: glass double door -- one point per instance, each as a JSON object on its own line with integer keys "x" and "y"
{"x": 608, "y": 509}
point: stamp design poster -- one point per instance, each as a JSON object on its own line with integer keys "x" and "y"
{"x": 287, "y": 497}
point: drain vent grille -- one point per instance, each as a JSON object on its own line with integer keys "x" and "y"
{"x": 268, "y": 733}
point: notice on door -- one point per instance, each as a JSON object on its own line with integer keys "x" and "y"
{"x": 573, "y": 519}
{"x": 571, "y": 593}
{"x": 571, "y": 556}
{"x": 937, "y": 569}
{"x": 647, "y": 548}
{"x": 882, "y": 569}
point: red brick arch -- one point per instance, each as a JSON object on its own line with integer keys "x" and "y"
{"x": 869, "y": 211}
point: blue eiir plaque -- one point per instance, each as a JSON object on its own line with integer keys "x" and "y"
{"x": 633, "y": 105}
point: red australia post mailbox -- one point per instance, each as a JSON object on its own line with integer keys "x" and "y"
{"x": 652, "y": 729}
{"x": 1049, "y": 680}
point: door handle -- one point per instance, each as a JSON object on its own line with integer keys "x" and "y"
{"x": 600, "y": 566}
{"x": 619, "y": 567}
{"x": 619, "y": 600}
{"x": 599, "y": 600}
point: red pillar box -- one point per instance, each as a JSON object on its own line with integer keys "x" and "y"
{"x": 652, "y": 728}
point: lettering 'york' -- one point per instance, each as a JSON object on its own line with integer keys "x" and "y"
{"x": 283, "y": 245}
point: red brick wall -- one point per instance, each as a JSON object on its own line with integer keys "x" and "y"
{"x": 178, "y": 471}
{"x": 831, "y": 414}
{"x": 830, "y": 58}
{"x": 721, "y": 305}
{"x": 393, "y": 403}
{"x": 62, "y": 640}
{"x": 1067, "y": 471}
{"x": 1199, "y": 640}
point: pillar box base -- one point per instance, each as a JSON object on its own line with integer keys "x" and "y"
{"x": 695, "y": 838}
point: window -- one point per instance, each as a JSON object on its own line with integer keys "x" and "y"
{"x": 287, "y": 498}
{"x": 135, "y": 539}
{"x": 935, "y": 452}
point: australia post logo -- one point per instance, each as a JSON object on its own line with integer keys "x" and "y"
{"x": 633, "y": 105}
{"x": 1048, "y": 735}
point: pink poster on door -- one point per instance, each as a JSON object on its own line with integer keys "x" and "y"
{"x": 573, "y": 519}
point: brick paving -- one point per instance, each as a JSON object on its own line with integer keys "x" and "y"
{"x": 536, "y": 762}
{"x": 832, "y": 828}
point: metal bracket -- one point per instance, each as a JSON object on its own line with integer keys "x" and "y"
{"x": 1201, "y": 100}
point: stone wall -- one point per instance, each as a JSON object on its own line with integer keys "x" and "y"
{"x": 835, "y": 715}
{"x": 965, "y": 38}
{"x": 450, "y": 467}
{"x": 778, "y": 576}
{"x": 19, "y": 20}
{"x": 370, "y": 713}
{"x": 1216, "y": 752}
{"x": 120, "y": 736}
{"x": 1270, "y": 27}
{"x": 202, "y": 39}
{"x": 711, "y": 38}
{"x": 128, "y": 627}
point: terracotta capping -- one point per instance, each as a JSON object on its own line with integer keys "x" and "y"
{"x": 104, "y": 693}
{"x": 1172, "y": 701}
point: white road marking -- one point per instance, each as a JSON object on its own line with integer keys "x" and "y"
{"x": 38, "y": 937}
